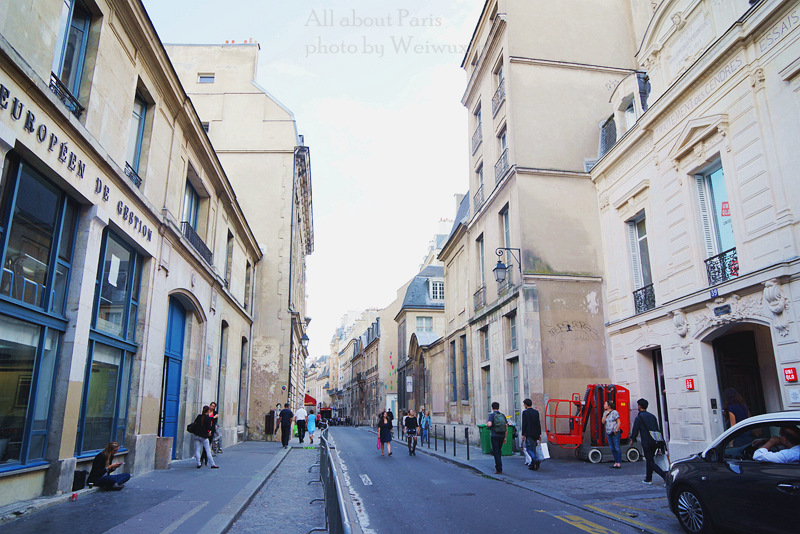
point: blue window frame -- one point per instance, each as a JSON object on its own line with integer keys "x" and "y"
{"x": 73, "y": 38}
{"x": 191, "y": 205}
{"x": 111, "y": 347}
{"x": 37, "y": 235}
{"x": 137, "y": 133}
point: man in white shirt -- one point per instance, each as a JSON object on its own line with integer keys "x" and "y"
{"x": 789, "y": 438}
{"x": 301, "y": 418}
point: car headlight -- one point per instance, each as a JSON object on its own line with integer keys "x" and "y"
{"x": 673, "y": 474}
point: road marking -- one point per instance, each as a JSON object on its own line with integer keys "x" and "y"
{"x": 584, "y": 524}
{"x": 646, "y": 510}
{"x": 627, "y": 519}
{"x": 365, "y": 479}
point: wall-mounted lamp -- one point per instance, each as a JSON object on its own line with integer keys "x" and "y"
{"x": 304, "y": 340}
{"x": 501, "y": 270}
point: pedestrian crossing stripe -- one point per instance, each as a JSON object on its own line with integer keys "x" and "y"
{"x": 584, "y": 524}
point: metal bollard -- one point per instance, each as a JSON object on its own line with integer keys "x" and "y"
{"x": 454, "y": 441}
{"x": 435, "y": 438}
{"x": 444, "y": 438}
{"x": 466, "y": 438}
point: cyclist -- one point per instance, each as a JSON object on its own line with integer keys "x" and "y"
{"x": 410, "y": 424}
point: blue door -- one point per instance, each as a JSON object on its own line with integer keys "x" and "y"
{"x": 173, "y": 358}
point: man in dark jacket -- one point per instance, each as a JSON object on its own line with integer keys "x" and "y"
{"x": 285, "y": 421}
{"x": 645, "y": 423}
{"x": 498, "y": 426}
{"x": 531, "y": 432}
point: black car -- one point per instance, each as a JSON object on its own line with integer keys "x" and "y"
{"x": 724, "y": 487}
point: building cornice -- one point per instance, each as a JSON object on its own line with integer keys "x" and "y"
{"x": 569, "y": 65}
{"x": 492, "y": 43}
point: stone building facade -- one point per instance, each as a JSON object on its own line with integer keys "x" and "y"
{"x": 126, "y": 296}
{"x": 698, "y": 205}
{"x": 257, "y": 141}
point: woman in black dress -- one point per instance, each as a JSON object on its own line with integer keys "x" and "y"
{"x": 385, "y": 429}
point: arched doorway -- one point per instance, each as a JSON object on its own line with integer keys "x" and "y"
{"x": 171, "y": 379}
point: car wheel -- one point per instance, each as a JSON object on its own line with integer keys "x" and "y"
{"x": 632, "y": 454}
{"x": 692, "y": 514}
{"x": 595, "y": 456}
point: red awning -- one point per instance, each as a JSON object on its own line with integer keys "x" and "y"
{"x": 310, "y": 401}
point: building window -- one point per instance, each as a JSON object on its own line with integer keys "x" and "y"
{"x": 644, "y": 297}
{"x": 481, "y": 266}
{"x": 136, "y": 133}
{"x": 73, "y": 38}
{"x": 608, "y": 135}
{"x": 228, "y": 259}
{"x": 191, "y": 205}
{"x": 511, "y": 321}
{"x": 205, "y": 126}
{"x": 401, "y": 341}
{"x": 715, "y": 215}
{"x": 629, "y": 112}
{"x": 424, "y": 324}
{"x": 205, "y": 77}
{"x": 243, "y": 383}
{"x": 483, "y": 333}
{"x": 453, "y": 372}
{"x": 111, "y": 346}
{"x": 464, "y": 370}
{"x": 516, "y": 405}
{"x": 248, "y": 275}
{"x": 437, "y": 290}
{"x": 487, "y": 387}
{"x": 503, "y": 140}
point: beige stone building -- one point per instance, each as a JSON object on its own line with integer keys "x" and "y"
{"x": 698, "y": 204}
{"x": 126, "y": 295}
{"x": 256, "y": 139}
{"x": 534, "y": 69}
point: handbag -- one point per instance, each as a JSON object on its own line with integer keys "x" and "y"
{"x": 659, "y": 440}
{"x": 379, "y": 443}
{"x": 191, "y": 428}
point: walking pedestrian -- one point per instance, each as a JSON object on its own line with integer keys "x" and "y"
{"x": 531, "y": 433}
{"x": 411, "y": 433}
{"x": 102, "y": 467}
{"x": 214, "y": 433}
{"x": 426, "y": 426}
{"x": 613, "y": 431}
{"x": 216, "y": 439}
{"x": 301, "y": 418}
{"x": 312, "y": 425}
{"x": 385, "y": 432}
{"x": 391, "y": 417}
{"x": 285, "y": 422}
{"x": 200, "y": 434}
{"x": 646, "y": 424}
{"x": 498, "y": 424}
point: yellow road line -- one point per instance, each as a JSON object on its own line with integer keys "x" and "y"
{"x": 585, "y": 525}
{"x": 627, "y": 519}
{"x": 647, "y": 510}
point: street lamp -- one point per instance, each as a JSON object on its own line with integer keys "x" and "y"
{"x": 501, "y": 270}
{"x": 304, "y": 340}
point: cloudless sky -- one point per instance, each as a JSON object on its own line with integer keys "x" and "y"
{"x": 375, "y": 87}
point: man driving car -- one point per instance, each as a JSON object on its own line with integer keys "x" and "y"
{"x": 789, "y": 439}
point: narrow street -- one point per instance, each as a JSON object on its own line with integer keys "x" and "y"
{"x": 401, "y": 494}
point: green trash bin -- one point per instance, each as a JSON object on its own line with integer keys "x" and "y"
{"x": 508, "y": 446}
{"x": 486, "y": 439}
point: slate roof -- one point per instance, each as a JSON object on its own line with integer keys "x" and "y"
{"x": 425, "y": 339}
{"x": 418, "y": 292}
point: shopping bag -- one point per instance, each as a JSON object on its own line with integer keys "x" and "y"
{"x": 528, "y": 458}
{"x": 542, "y": 451}
{"x": 379, "y": 443}
{"x": 662, "y": 461}
{"x": 294, "y": 430}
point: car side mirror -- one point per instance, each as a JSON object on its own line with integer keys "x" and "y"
{"x": 710, "y": 456}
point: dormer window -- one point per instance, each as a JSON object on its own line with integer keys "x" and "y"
{"x": 629, "y": 112}
{"x": 437, "y": 290}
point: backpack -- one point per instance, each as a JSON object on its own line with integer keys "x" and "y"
{"x": 499, "y": 423}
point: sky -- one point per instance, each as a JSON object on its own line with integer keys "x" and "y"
{"x": 375, "y": 88}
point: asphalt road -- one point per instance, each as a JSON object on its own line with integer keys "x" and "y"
{"x": 402, "y": 494}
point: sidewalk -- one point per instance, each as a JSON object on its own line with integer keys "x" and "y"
{"x": 614, "y": 493}
{"x": 182, "y": 499}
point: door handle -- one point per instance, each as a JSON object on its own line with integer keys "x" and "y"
{"x": 788, "y": 488}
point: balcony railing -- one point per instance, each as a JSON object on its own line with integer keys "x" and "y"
{"x": 65, "y": 96}
{"x": 479, "y": 298}
{"x": 133, "y": 176}
{"x": 478, "y": 199}
{"x": 499, "y": 97}
{"x": 501, "y": 167}
{"x": 722, "y": 267}
{"x": 196, "y": 241}
{"x": 644, "y": 299}
{"x": 477, "y": 139}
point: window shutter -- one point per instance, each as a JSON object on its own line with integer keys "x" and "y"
{"x": 705, "y": 217}
{"x": 633, "y": 245}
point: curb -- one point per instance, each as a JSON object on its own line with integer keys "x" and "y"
{"x": 18, "y": 510}
{"x": 224, "y": 519}
{"x": 555, "y": 496}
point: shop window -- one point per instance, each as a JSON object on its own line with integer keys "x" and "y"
{"x": 38, "y": 219}
{"x": 112, "y": 347}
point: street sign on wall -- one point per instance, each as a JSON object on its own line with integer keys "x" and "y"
{"x": 409, "y": 384}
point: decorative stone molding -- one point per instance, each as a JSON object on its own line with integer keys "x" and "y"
{"x": 604, "y": 203}
{"x": 678, "y": 20}
{"x": 682, "y": 329}
{"x": 757, "y": 78}
{"x": 740, "y": 309}
{"x": 775, "y": 302}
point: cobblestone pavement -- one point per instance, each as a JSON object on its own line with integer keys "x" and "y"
{"x": 283, "y": 504}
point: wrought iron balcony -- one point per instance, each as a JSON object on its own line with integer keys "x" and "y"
{"x": 133, "y": 176}
{"x": 644, "y": 299}
{"x": 65, "y": 96}
{"x": 722, "y": 267}
{"x": 477, "y": 139}
{"x": 196, "y": 241}
{"x": 499, "y": 97}
{"x": 501, "y": 167}
{"x": 479, "y": 298}
{"x": 478, "y": 199}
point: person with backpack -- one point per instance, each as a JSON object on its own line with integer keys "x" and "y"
{"x": 646, "y": 424}
{"x": 498, "y": 425}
